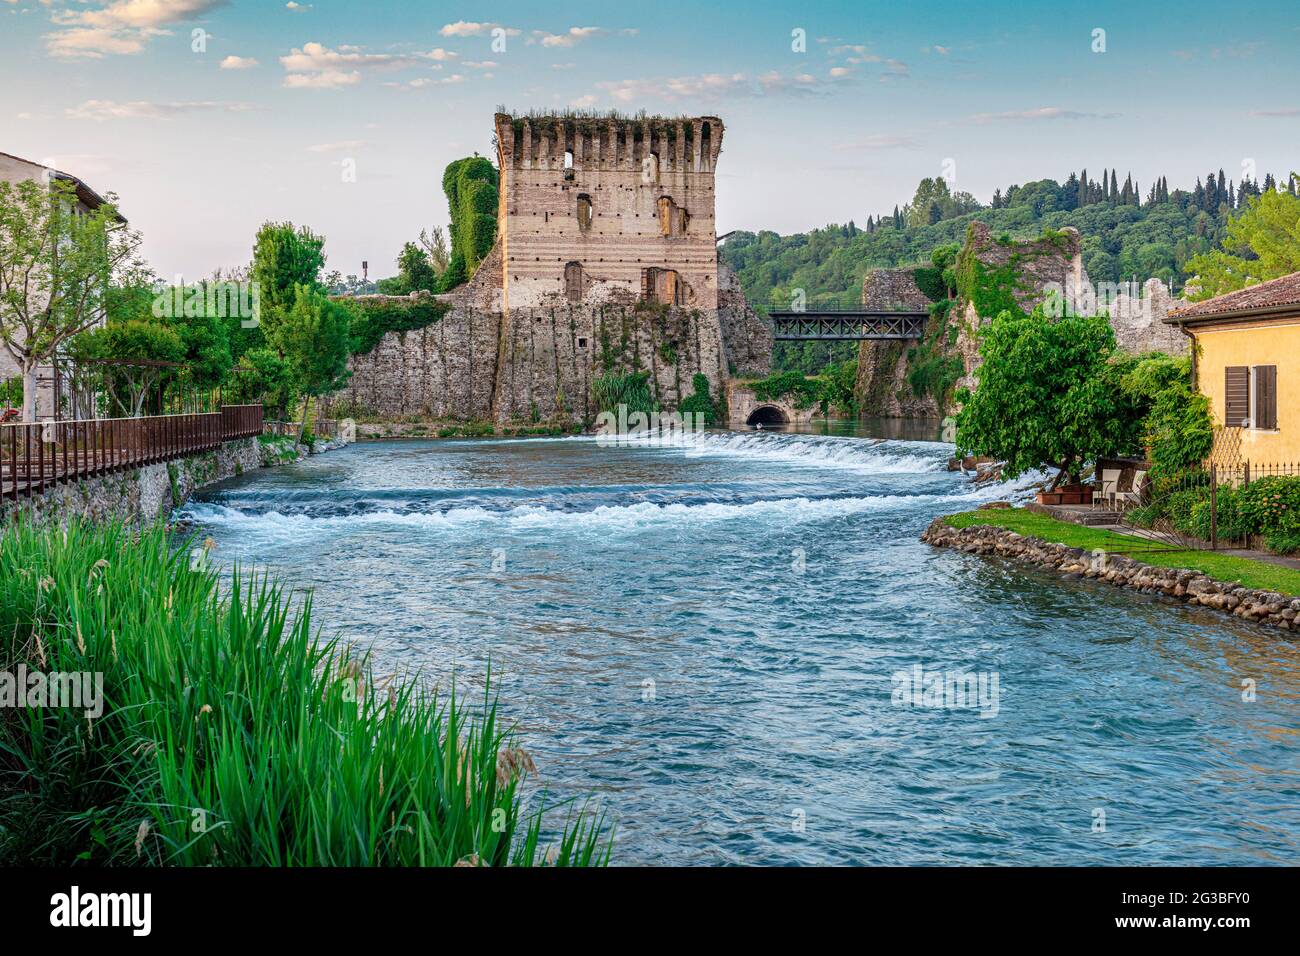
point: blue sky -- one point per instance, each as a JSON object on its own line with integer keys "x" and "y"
{"x": 261, "y": 121}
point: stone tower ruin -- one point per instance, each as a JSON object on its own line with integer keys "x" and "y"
{"x": 608, "y": 210}
{"x": 605, "y": 262}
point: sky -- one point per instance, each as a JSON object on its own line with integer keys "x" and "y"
{"x": 210, "y": 117}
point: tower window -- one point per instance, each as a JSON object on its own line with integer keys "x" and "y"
{"x": 573, "y": 282}
{"x": 584, "y": 212}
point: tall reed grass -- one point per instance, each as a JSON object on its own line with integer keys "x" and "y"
{"x": 234, "y": 734}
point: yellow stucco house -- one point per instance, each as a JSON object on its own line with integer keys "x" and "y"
{"x": 1246, "y": 360}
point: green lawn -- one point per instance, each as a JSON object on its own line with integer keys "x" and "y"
{"x": 1221, "y": 567}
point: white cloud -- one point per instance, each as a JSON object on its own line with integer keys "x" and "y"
{"x": 330, "y": 80}
{"x": 572, "y": 37}
{"x": 238, "y": 63}
{"x": 99, "y": 110}
{"x": 422, "y": 81}
{"x": 482, "y": 64}
{"x": 465, "y": 28}
{"x": 337, "y": 147}
{"x": 316, "y": 66}
{"x": 121, "y": 27}
{"x": 715, "y": 85}
{"x": 1289, "y": 111}
{"x": 879, "y": 141}
{"x": 297, "y": 7}
{"x": 1042, "y": 113}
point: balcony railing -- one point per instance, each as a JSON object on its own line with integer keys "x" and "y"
{"x": 40, "y": 455}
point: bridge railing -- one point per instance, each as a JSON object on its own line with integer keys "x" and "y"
{"x": 819, "y": 303}
{"x": 35, "y": 456}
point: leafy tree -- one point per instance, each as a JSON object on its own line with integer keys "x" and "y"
{"x": 434, "y": 243}
{"x": 56, "y": 266}
{"x": 284, "y": 257}
{"x": 1262, "y": 243}
{"x": 415, "y": 269}
{"x": 265, "y": 374}
{"x": 1177, "y": 425}
{"x": 146, "y": 341}
{"x": 313, "y": 339}
{"x": 1048, "y": 395}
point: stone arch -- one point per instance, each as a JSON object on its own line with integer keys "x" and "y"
{"x": 767, "y": 415}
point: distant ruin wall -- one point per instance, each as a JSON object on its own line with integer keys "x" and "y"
{"x": 479, "y": 364}
{"x": 881, "y": 387}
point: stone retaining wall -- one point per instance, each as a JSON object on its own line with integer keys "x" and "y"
{"x": 142, "y": 495}
{"x": 1190, "y": 587}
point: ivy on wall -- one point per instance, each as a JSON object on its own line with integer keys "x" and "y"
{"x": 471, "y": 186}
{"x": 374, "y": 316}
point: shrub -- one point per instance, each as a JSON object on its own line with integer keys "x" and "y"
{"x": 631, "y": 389}
{"x": 373, "y": 318}
{"x": 1283, "y": 542}
{"x": 701, "y": 402}
{"x": 1272, "y": 505}
{"x": 232, "y": 733}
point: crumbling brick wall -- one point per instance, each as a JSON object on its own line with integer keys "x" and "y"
{"x": 625, "y": 201}
{"x": 881, "y": 387}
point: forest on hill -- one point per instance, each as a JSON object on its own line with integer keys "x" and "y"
{"x": 1126, "y": 234}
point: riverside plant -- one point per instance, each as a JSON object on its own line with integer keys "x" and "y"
{"x": 233, "y": 734}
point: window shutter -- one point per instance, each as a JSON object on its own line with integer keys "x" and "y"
{"x": 1266, "y": 396}
{"x": 1236, "y": 392}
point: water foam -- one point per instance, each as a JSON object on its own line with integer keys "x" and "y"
{"x": 604, "y": 518}
{"x": 875, "y": 457}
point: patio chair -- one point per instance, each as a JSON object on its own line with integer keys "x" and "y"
{"x": 1133, "y": 497}
{"x": 1106, "y": 490}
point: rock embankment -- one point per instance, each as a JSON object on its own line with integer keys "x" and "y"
{"x": 1191, "y": 587}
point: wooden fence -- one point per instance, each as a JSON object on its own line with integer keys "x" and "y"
{"x": 39, "y": 455}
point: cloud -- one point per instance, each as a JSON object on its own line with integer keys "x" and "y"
{"x": 1289, "y": 111}
{"x": 422, "y": 81}
{"x": 856, "y": 54}
{"x": 238, "y": 63}
{"x": 122, "y": 27}
{"x": 573, "y": 36}
{"x": 330, "y": 80}
{"x": 337, "y": 147}
{"x": 941, "y": 50}
{"x": 100, "y": 110}
{"x": 877, "y": 142}
{"x": 465, "y": 28}
{"x": 715, "y": 86}
{"x": 1042, "y": 113}
{"x": 316, "y": 66}
{"x": 297, "y": 7}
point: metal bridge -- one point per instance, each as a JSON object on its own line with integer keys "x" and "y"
{"x": 844, "y": 324}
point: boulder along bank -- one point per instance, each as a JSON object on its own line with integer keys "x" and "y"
{"x": 1191, "y": 587}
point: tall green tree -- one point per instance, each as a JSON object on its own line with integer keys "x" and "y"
{"x": 56, "y": 267}
{"x": 1048, "y": 395}
{"x": 313, "y": 338}
{"x": 284, "y": 257}
{"x": 1262, "y": 243}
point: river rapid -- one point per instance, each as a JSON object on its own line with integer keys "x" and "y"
{"x": 726, "y": 639}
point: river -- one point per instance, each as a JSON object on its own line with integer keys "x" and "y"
{"x": 711, "y": 638}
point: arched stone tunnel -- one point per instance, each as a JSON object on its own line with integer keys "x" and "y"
{"x": 767, "y": 416}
